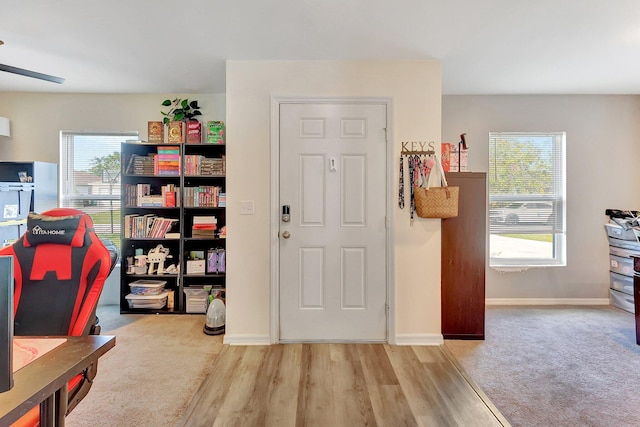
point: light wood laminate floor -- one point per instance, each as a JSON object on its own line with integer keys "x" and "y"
{"x": 335, "y": 385}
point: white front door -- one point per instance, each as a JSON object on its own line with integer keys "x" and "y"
{"x": 333, "y": 272}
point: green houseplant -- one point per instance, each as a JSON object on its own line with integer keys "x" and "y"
{"x": 181, "y": 110}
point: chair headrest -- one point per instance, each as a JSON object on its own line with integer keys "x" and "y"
{"x": 63, "y": 230}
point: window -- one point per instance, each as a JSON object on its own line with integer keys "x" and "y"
{"x": 526, "y": 199}
{"x": 90, "y": 177}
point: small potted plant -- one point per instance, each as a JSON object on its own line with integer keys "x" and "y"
{"x": 181, "y": 119}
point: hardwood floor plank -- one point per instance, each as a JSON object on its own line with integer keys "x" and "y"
{"x": 315, "y": 400}
{"x": 376, "y": 365}
{"x": 283, "y": 394}
{"x": 350, "y": 392}
{"x": 204, "y": 407}
{"x": 390, "y": 406}
{"x": 422, "y": 396}
{"x": 463, "y": 403}
{"x": 242, "y": 405}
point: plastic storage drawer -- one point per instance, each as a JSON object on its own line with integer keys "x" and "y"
{"x": 622, "y": 301}
{"x": 616, "y": 231}
{"x": 196, "y": 300}
{"x": 621, "y": 265}
{"x": 621, "y": 283}
{"x": 626, "y": 244}
{"x": 148, "y": 301}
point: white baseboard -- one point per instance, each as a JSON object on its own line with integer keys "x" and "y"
{"x": 547, "y": 301}
{"x": 418, "y": 339}
{"x": 241, "y": 339}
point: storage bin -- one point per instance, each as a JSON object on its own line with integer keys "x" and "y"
{"x": 616, "y": 231}
{"x": 148, "y": 301}
{"x": 621, "y": 300}
{"x": 147, "y": 287}
{"x": 621, "y": 265}
{"x": 622, "y": 252}
{"x": 196, "y": 300}
{"x": 626, "y": 244}
{"x": 621, "y": 283}
{"x": 15, "y": 200}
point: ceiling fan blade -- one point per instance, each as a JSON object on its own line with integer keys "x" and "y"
{"x": 28, "y": 73}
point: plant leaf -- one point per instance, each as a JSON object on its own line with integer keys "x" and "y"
{"x": 185, "y": 103}
{"x": 194, "y": 105}
{"x": 166, "y": 103}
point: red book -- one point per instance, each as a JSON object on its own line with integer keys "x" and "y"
{"x": 194, "y": 132}
{"x": 171, "y": 199}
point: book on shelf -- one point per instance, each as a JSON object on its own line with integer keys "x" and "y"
{"x": 215, "y": 132}
{"x": 204, "y": 226}
{"x": 140, "y": 195}
{"x": 156, "y": 201}
{"x": 176, "y": 132}
{"x": 139, "y": 165}
{"x": 194, "y": 132}
{"x": 202, "y": 196}
{"x": 155, "y": 130}
{"x": 147, "y": 226}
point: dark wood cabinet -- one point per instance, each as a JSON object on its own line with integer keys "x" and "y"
{"x": 464, "y": 259}
{"x": 636, "y": 294}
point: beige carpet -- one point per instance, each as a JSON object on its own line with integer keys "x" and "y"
{"x": 557, "y": 366}
{"x": 150, "y": 376}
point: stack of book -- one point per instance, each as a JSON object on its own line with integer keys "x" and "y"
{"x": 167, "y": 161}
{"x": 204, "y": 226}
{"x": 199, "y": 165}
{"x": 140, "y": 165}
{"x": 222, "y": 200}
{"x": 213, "y": 167}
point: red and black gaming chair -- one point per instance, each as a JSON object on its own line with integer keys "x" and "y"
{"x": 60, "y": 266}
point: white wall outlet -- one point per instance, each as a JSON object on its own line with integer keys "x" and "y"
{"x": 246, "y": 207}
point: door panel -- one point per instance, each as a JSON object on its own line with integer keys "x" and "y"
{"x": 333, "y": 265}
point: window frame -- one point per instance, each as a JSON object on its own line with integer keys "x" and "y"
{"x": 558, "y": 198}
{"x": 66, "y": 196}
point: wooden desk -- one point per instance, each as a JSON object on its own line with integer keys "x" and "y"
{"x": 44, "y": 381}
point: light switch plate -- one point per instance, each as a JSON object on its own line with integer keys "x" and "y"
{"x": 247, "y": 207}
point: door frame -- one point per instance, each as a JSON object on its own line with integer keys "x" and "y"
{"x": 276, "y": 101}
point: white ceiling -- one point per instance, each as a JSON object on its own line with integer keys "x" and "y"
{"x": 161, "y": 46}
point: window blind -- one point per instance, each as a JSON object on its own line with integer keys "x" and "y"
{"x": 526, "y": 183}
{"x": 90, "y": 176}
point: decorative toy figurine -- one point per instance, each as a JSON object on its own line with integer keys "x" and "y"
{"x": 157, "y": 255}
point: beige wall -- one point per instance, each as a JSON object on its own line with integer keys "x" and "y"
{"x": 38, "y": 118}
{"x": 603, "y": 150}
{"x": 415, "y": 90}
